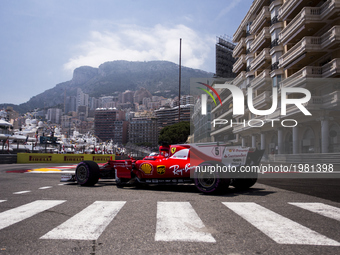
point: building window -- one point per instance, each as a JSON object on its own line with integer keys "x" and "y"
{"x": 276, "y": 80}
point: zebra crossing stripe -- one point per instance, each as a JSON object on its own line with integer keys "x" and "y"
{"x": 23, "y": 212}
{"x": 320, "y": 208}
{"x": 282, "y": 230}
{"x": 87, "y": 224}
{"x": 21, "y": 192}
{"x": 178, "y": 221}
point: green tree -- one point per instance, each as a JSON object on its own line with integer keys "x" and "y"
{"x": 175, "y": 134}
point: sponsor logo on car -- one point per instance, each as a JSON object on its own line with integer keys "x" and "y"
{"x": 161, "y": 170}
{"x": 146, "y": 168}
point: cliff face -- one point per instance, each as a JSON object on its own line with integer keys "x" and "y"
{"x": 160, "y": 77}
{"x": 83, "y": 74}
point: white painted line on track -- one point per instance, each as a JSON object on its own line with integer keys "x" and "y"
{"x": 87, "y": 224}
{"x": 320, "y": 208}
{"x": 3, "y": 201}
{"x": 23, "y": 212}
{"x": 46, "y": 187}
{"x": 178, "y": 221}
{"x": 21, "y": 192}
{"x": 282, "y": 230}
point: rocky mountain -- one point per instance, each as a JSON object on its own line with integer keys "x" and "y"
{"x": 159, "y": 77}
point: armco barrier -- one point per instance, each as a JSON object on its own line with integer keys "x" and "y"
{"x": 24, "y": 158}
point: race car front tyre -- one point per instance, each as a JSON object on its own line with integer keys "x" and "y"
{"x": 210, "y": 182}
{"x": 87, "y": 173}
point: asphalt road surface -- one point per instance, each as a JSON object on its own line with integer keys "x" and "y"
{"x": 40, "y": 215}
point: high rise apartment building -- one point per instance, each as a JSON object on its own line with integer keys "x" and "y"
{"x": 54, "y": 115}
{"x": 82, "y": 99}
{"x": 110, "y": 124}
{"x": 143, "y": 131}
{"x": 224, "y": 57}
{"x": 169, "y": 116}
{"x": 287, "y": 44}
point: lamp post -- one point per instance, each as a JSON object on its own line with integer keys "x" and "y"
{"x": 179, "y": 85}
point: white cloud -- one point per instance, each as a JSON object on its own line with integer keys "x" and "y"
{"x": 134, "y": 43}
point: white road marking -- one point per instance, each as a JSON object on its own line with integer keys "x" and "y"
{"x": 282, "y": 230}
{"x": 87, "y": 224}
{"x": 178, "y": 221}
{"x": 21, "y": 192}
{"x": 3, "y": 201}
{"x": 46, "y": 187}
{"x": 320, "y": 208}
{"x": 23, "y": 212}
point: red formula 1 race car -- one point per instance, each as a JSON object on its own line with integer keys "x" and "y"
{"x": 212, "y": 167}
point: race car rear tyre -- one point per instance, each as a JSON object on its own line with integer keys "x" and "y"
{"x": 210, "y": 182}
{"x": 87, "y": 173}
{"x": 244, "y": 183}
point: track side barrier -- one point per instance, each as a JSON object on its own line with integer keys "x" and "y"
{"x": 24, "y": 158}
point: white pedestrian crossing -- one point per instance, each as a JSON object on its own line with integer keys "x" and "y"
{"x": 320, "y": 208}
{"x": 281, "y": 229}
{"x": 87, "y": 224}
{"x": 178, "y": 221}
{"x": 23, "y": 212}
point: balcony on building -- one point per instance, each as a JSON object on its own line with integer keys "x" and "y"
{"x": 241, "y": 30}
{"x": 331, "y": 39}
{"x": 311, "y": 48}
{"x": 261, "y": 20}
{"x": 262, "y": 81}
{"x": 263, "y": 101}
{"x": 299, "y": 78}
{"x": 262, "y": 40}
{"x": 257, "y": 6}
{"x": 291, "y": 8}
{"x": 218, "y": 129}
{"x": 331, "y": 69}
{"x": 221, "y": 109}
{"x": 240, "y": 48}
{"x": 329, "y": 101}
{"x": 302, "y": 53}
{"x": 261, "y": 61}
{"x": 226, "y": 110}
{"x": 254, "y": 9}
{"x": 240, "y": 64}
{"x": 308, "y": 21}
{"x": 274, "y": 3}
{"x": 240, "y": 79}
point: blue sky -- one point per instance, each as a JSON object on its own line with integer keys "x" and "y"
{"x": 43, "y": 41}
